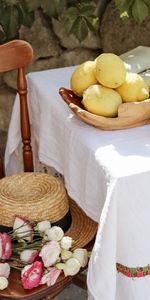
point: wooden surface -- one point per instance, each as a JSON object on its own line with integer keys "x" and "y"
{"x": 14, "y": 55}
{"x": 129, "y": 114}
{"x": 16, "y": 291}
{"x": 17, "y": 55}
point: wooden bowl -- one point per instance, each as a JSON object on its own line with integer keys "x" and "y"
{"x": 130, "y": 115}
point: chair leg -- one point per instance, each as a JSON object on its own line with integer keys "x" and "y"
{"x": 80, "y": 281}
{"x": 2, "y": 174}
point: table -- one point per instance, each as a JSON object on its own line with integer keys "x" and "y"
{"x": 107, "y": 173}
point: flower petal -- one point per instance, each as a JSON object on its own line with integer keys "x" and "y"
{"x": 50, "y": 253}
{"x": 51, "y": 277}
{"x": 4, "y": 270}
{"x": 72, "y": 267}
{"x": 81, "y": 255}
{"x": 31, "y": 275}
{"x": 23, "y": 229}
{"x": 66, "y": 242}
{"x": 43, "y": 226}
{"x": 28, "y": 255}
{"x": 3, "y": 283}
{"x": 6, "y": 245}
{"x": 55, "y": 233}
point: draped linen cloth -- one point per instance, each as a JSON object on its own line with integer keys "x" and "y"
{"x": 106, "y": 172}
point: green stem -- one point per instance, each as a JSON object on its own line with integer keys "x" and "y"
{"x": 17, "y": 268}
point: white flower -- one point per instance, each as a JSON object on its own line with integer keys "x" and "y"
{"x": 3, "y": 283}
{"x": 55, "y": 233}
{"x": 81, "y": 255}
{"x": 60, "y": 266}
{"x": 66, "y": 242}
{"x": 45, "y": 238}
{"x": 66, "y": 254}
{"x": 43, "y": 226}
{"x": 72, "y": 267}
{"x": 23, "y": 229}
{"x": 4, "y": 270}
{"x": 28, "y": 255}
{"x": 50, "y": 253}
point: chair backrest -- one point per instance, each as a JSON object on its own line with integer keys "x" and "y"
{"x": 16, "y": 55}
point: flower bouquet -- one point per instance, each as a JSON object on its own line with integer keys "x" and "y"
{"x": 40, "y": 251}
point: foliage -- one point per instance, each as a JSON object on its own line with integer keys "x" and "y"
{"x": 13, "y": 13}
{"x": 136, "y": 9}
{"x": 79, "y": 17}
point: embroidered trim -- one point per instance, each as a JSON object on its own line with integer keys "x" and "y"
{"x": 133, "y": 272}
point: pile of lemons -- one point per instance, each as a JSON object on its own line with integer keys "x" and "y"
{"x": 104, "y": 84}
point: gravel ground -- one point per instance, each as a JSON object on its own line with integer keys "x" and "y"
{"x": 72, "y": 293}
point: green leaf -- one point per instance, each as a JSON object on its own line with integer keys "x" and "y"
{"x": 2, "y": 11}
{"x": 25, "y": 18}
{"x": 75, "y": 2}
{"x": 80, "y": 19}
{"x": 93, "y": 23}
{"x": 139, "y": 10}
{"x": 2, "y": 35}
{"x": 80, "y": 28}
{"x": 147, "y": 2}
{"x": 10, "y": 22}
{"x": 68, "y": 23}
{"x": 87, "y": 10}
{"x": 53, "y": 7}
{"x": 71, "y": 3}
{"x": 48, "y": 7}
{"x": 32, "y": 5}
{"x": 125, "y": 7}
{"x": 60, "y": 5}
{"x": 71, "y": 12}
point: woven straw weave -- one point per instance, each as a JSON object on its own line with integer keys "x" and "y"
{"x": 38, "y": 197}
{"x": 34, "y": 196}
{"x": 83, "y": 229}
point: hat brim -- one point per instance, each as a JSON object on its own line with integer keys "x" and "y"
{"x": 38, "y": 196}
{"x": 83, "y": 229}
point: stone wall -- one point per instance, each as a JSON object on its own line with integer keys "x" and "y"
{"x": 53, "y": 48}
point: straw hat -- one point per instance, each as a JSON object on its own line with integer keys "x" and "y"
{"x": 38, "y": 197}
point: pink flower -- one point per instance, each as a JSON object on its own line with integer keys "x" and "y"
{"x": 4, "y": 270}
{"x": 50, "y": 253}
{"x": 23, "y": 229}
{"x": 5, "y": 246}
{"x": 31, "y": 275}
{"x": 50, "y": 277}
{"x": 29, "y": 255}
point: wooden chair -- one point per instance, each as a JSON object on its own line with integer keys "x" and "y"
{"x": 14, "y": 55}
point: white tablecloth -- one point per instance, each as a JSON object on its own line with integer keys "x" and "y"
{"x": 107, "y": 173}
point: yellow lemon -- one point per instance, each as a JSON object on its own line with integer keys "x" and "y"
{"x": 135, "y": 88}
{"x": 110, "y": 70}
{"x": 83, "y": 77}
{"x": 101, "y": 100}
